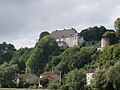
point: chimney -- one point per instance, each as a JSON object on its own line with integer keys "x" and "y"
{"x": 72, "y": 28}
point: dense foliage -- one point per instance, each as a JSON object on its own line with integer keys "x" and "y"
{"x": 43, "y": 34}
{"x": 20, "y": 58}
{"x": 113, "y": 39}
{"x": 107, "y": 79}
{"x": 7, "y": 75}
{"x": 117, "y": 26}
{"x": 74, "y": 80}
{"x": 44, "y": 49}
{"x": 93, "y": 33}
{"x": 74, "y": 57}
{"x": 108, "y": 57}
{"x": 73, "y": 62}
{"x": 6, "y": 52}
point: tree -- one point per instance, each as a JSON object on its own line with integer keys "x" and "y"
{"x": 93, "y": 33}
{"x": 75, "y": 80}
{"x": 109, "y": 56}
{"x": 23, "y": 83}
{"x": 99, "y": 80}
{"x": 7, "y": 75}
{"x": 43, "y": 34}
{"x": 6, "y": 52}
{"x": 113, "y": 76}
{"x": 53, "y": 62}
{"x": 20, "y": 58}
{"x": 42, "y": 53}
{"x": 73, "y": 57}
{"x": 117, "y": 26}
{"x": 66, "y": 60}
{"x": 111, "y": 36}
{"x": 44, "y": 82}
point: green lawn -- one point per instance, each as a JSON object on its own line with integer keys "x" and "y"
{"x": 20, "y": 89}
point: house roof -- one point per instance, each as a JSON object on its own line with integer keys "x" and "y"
{"x": 24, "y": 75}
{"x": 91, "y": 71}
{"x": 54, "y": 76}
{"x": 66, "y": 33}
{"x": 103, "y": 67}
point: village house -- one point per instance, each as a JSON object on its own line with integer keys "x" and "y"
{"x": 67, "y": 37}
{"x": 89, "y": 73}
{"x": 89, "y": 77}
{"x": 29, "y": 78}
{"x": 52, "y": 76}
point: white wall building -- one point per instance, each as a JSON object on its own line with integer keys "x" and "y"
{"x": 104, "y": 43}
{"x": 67, "y": 37}
{"x": 89, "y": 78}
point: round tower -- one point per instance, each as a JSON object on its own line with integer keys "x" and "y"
{"x": 105, "y": 42}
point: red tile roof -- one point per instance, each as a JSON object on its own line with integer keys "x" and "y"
{"x": 51, "y": 75}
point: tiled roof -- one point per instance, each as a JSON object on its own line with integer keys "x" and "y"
{"x": 51, "y": 75}
{"x": 66, "y": 33}
{"x": 24, "y": 75}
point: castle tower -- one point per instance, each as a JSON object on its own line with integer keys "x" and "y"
{"x": 105, "y": 42}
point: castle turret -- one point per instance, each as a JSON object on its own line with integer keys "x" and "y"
{"x": 105, "y": 42}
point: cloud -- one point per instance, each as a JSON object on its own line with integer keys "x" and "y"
{"x": 26, "y": 19}
{"x": 23, "y": 43}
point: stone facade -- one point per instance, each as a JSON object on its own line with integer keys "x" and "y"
{"x": 104, "y": 43}
{"x": 67, "y": 37}
{"x": 89, "y": 78}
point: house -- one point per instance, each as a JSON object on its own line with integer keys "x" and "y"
{"x": 52, "y": 76}
{"x": 67, "y": 37}
{"x": 89, "y": 73}
{"x": 30, "y": 78}
{"x": 104, "y": 43}
{"x": 89, "y": 77}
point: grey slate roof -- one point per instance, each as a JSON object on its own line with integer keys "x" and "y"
{"x": 66, "y": 33}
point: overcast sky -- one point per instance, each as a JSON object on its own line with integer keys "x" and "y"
{"x": 21, "y": 21}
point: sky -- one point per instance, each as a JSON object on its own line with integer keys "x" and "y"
{"x": 21, "y": 21}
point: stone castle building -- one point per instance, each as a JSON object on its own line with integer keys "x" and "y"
{"x": 67, "y": 37}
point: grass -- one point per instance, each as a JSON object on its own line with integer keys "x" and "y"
{"x": 20, "y": 89}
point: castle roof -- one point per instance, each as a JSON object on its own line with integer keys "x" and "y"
{"x": 66, "y": 33}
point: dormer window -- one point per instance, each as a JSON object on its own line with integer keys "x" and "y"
{"x": 61, "y": 36}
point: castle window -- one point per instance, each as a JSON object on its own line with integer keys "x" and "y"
{"x": 61, "y": 36}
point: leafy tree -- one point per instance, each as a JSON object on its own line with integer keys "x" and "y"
{"x": 20, "y": 58}
{"x": 73, "y": 57}
{"x": 108, "y": 57}
{"x": 4, "y": 47}
{"x": 111, "y": 36}
{"x": 117, "y": 26}
{"x": 44, "y": 82}
{"x": 99, "y": 80}
{"x": 93, "y": 33}
{"x": 7, "y": 75}
{"x": 43, "y": 34}
{"x": 66, "y": 59}
{"x": 75, "y": 80}
{"x": 54, "y": 61}
{"x": 113, "y": 76}
{"x": 23, "y": 83}
{"x": 6, "y": 52}
{"x": 42, "y": 53}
